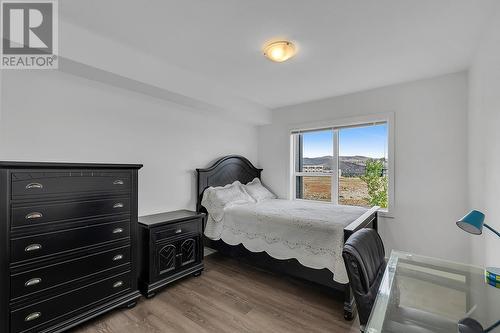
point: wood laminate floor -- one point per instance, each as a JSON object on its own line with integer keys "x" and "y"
{"x": 230, "y": 297}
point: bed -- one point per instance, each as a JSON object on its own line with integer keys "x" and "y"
{"x": 295, "y": 237}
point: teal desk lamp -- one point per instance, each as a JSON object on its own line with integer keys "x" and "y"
{"x": 473, "y": 223}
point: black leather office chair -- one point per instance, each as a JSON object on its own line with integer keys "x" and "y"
{"x": 364, "y": 258}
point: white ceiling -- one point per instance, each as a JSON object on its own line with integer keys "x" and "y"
{"x": 344, "y": 45}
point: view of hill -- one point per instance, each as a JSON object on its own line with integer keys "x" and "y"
{"x": 351, "y": 166}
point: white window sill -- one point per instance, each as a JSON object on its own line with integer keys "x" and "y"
{"x": 386, "y": 214}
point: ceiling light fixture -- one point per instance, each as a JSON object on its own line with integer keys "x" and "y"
{"x": 279, "y": 51}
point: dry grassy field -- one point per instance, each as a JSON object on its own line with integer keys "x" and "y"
{"x": 352, "y": 190}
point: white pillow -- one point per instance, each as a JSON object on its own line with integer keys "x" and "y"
{"x": 257, "y": 191}
{"x": 215, "y": 199}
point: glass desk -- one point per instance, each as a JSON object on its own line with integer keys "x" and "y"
{"x": 422, "y": 294}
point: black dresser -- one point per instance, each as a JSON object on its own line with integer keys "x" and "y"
{"x": 171, "y": 247}
{"x": 69, "y": 243}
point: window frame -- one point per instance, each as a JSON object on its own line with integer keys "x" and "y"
{"x": 335, "y": 126}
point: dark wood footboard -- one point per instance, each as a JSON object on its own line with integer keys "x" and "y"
{"x": 367, "y": 220}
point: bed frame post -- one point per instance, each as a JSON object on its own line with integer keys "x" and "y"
{"x": 349, "y": 308}
{"x": 375, "y": 223}
{"x": 367, "y": 220}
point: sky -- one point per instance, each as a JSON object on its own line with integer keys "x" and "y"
{"x": 369, "y": 141}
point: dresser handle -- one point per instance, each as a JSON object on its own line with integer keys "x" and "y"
{"x": 118, "y": 205}
{"x": 118, "y": 284}
{"x": 33, "y": 247}
{"x": 32, "y": 282}
{"x": 33, "y": 316}
{"x": 31, "y": 186}
{"x": 33, "y": 215}
{"x": 117, "y": 230}
{"x": 178, "y": 231}
{"x": 118, "y": 257}
{"x": 118, "y": 182}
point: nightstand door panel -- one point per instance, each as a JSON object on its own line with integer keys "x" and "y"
{"x": 173, "y": 255}
{"x": 166, "y": 258}
{"x": 189, "y": 251}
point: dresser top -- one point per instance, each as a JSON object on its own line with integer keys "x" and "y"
{"x": 168, "y": 217}
{"x": 58, "y": 165}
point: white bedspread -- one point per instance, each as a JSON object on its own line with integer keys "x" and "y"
{"x": 310, "y": 232}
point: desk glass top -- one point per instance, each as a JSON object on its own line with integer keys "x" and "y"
{"x": 422, "y": 294}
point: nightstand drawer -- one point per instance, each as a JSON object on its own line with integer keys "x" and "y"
{"x": 30, "y": 215}
{"x": 27, "y": 248}
{"x": 33, "y": 316}
{"x": 177, "y": 229}
{"x": 50, "y": 183}
{"x": 56, "y": 274}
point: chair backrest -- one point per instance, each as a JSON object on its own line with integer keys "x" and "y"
{"x": 364, "y": 258}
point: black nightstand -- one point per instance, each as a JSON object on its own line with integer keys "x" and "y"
{"x": 171, "y": 246}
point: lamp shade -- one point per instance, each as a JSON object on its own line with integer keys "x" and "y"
{"x": 472, "y": 222}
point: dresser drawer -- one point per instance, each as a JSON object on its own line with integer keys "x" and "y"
{"x": 30, "y": 317}
{"x": 177, "y": 229}
{"x": 40, "y": 279}
{"x": 39, "y": 184}
{"x": 27, "y": 248}
{"x": 67, "y": 211}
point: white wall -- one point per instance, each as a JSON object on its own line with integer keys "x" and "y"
{"x": 484, "y": 141}
{"x": 52, "y": 116}
{"x": 430, "y": 158}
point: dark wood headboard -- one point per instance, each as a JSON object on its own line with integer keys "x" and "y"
{"x": 224, "y": 171}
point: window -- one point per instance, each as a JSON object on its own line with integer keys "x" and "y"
{"x": 346, "y": 165}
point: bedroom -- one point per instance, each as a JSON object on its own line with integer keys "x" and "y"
{"x": 167, "y": 85}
